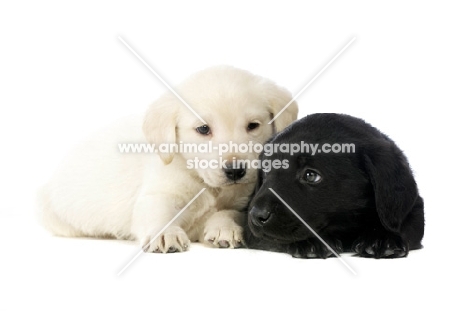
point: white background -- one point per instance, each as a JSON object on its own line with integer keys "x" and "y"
{"x": 64, "y": 74}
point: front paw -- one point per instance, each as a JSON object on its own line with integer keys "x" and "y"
{"x": 381, "y": 245}
{"x": 224, "y": 237}
{"x": 172, "y": 240}
{"x": 314, "y": 248}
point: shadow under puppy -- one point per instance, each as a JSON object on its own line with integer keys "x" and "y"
{"x": 364, "y": 201}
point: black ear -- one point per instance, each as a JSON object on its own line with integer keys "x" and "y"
{"x": 394, "y": 186}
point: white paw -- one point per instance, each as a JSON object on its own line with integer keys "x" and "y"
{"x": 224, "y": 237}
{"x": 174, "y": 239}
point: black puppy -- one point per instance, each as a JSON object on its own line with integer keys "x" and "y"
{"x": 362, "y": 199}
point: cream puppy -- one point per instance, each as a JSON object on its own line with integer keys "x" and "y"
{"x": 100, "y": 191}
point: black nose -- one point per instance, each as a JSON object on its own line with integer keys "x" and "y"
{"x": 259, "y": 216}
{"x": 234, "y": 173}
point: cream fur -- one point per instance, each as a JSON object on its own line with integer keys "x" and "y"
{"x": 100, "y": 192}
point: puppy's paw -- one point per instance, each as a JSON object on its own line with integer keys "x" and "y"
{"x": 224, "y": 237}
{"x": 381, "y": 245}
{"x": 174, "y": 239}
{"x": 314, "y": 248}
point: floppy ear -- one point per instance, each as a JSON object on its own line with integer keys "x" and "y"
{"x": 278, "y": 98}
{"x": 160, "y": 122}
{"x": 394, "y": 186}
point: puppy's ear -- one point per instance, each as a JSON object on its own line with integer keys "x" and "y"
{"x": 278, "y": 98}
{"x": 394, "y": 186}
{"x": 160, "y": 122}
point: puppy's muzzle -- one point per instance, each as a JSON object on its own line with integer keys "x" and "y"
{"x": 259, "y": 216}
{"x": 233, "y": 173}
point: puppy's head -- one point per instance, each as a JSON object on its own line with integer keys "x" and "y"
{"x": 327, "y": 190}
{"x": 236, "y": 107}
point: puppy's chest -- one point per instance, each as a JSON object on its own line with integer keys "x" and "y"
{"x": 213, "y": 200}
{"x": 224, "y": 199}
{"x": 230, "y": 199}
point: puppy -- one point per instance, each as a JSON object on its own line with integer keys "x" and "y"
{"x": 362, "y": 199}
{"x": 101, "y": 192}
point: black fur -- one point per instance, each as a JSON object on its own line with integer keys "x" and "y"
{"x": 366, "y": 202}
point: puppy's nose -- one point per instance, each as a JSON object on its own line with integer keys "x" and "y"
{"x": 260, "y": 216}
{"x": 234, "y": 173}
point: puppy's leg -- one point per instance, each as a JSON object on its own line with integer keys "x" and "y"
{"x": 151, "y": 214}
{"x": 224, "y": 229}
{"x": 50, "y": 219}
{"x": 380, "y": 243}
{"x": 375, "y": 241}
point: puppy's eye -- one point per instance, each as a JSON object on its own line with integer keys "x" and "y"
{"x": 204, "y": 130}
{"x": 312, "y": 177}
{"x": 252, "y": 126}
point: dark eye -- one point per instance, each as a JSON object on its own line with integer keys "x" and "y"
{"x": 311, "y": 177}
{"x": 252, "y": 126}
{"x": 204, "y": 130}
